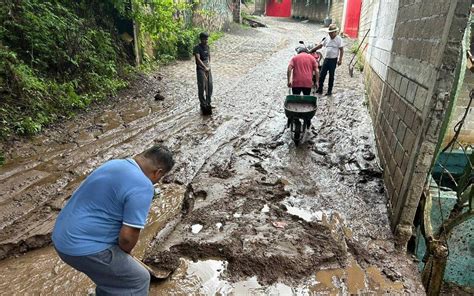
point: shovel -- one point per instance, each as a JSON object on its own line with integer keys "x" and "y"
{"x": 208, "y": 110}
{"x": 351, "y": 68}
{"x": 155, "y": 273}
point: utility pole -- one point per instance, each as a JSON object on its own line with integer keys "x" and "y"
{"x": 135, "y": 37}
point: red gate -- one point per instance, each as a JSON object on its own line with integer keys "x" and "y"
{"x": 351, "y": 26}
{"x": 279, "y": 8}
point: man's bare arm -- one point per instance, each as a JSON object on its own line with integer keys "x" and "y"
{"x": 316, "y": 77}
{"x": 199, "y": 62}
{"x": 288, "y": 75}
{"x": 341, "y": 54}
{"x": 316, "y": 47}
{"x": 128, "y": 238}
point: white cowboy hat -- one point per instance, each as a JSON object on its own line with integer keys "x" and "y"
{"x": 331, "y": 28}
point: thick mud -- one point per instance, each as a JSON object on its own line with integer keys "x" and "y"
{"x": 243, "y": 232}
{"x": 245, "y": 210}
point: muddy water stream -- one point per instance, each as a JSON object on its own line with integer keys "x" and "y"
{"x": 316, "y": 210}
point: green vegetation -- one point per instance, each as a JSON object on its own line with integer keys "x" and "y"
{"x": 359, "y": 65}
{"x": 58, "y": 56}
{"x": 54, "y": 59}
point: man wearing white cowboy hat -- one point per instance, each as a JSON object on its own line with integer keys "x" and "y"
{"x": 334, "y": 52}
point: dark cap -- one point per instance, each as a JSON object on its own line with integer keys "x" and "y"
{"x": 203, "y": 35}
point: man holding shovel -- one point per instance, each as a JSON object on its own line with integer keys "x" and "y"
{"x": 100, "y": 225}
{"x": 334, "y": 52}
{"x": 203, "y": 71}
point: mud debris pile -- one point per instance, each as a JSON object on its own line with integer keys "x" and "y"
{"x": 248, "y": 240}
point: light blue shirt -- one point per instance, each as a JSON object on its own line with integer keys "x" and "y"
{"x": 115, "y": 194}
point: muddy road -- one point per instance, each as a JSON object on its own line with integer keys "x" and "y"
{"x": 244, "y": 211}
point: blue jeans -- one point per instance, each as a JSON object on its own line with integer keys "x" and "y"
{"x": 113, "y": 271}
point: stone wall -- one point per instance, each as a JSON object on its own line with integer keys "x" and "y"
{"x": 336, "y": 12}
{"x": 259, "y": 7}
{"x": 315, "y": 10}
{"x": 215, "y": 14}
{"x": 410, "y": 71}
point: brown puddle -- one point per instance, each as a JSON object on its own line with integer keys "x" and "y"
{"x": 203, "y": 278}
{"x": 355, "y": 280}
{"x": 42, "y": 271}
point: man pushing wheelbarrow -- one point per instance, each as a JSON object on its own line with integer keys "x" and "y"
{"x": 203, "y": 71}
{"x": 299, "y": 109}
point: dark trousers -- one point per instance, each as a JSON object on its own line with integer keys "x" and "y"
{"x": 328, "y": 65}
{"x": 297, "y": 90}
{"x": 204, "y": 82}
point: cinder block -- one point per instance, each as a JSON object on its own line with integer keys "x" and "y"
{"x": 404, "y": 166}
{"x": 402, "y": 107}
{"x": 420, "y": 99}
{"x": 435, "y": 52}
{"x": 409, "y": 116}
{"x": 417, "y": 126}
{"x": 395, "y": 121}
{"x": 388, "y": 184}
{"x": 389, "y": 96}
{"x": 411, "y": 91}
{"x": 409, "y": 141}
{"x": 392, "y": 165}
{"x": 403, "y": 87}
{"x": 424, "y": 29}
{"x": 401, "y": 131}
{"x": 425, "y": 10}
{"x": 398, "y": 180}
{"x": 403, "y": 46}
{"x": 399, "y": 154}
{"x": 390, "y": 116}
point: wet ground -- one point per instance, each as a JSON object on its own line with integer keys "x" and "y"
{"x": 244, "y": 211}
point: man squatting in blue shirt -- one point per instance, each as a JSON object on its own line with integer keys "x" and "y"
{"x": 99, "y": 226}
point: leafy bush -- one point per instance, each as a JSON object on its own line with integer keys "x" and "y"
{"x": 187, "y": 39}
{"x": 53, "y": 62}
{"x": 58, "y": 56}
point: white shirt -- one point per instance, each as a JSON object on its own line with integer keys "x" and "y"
{"x": 332, "y": 46}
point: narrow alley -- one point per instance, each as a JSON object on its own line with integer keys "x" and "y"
{"x": 273, "y": 218}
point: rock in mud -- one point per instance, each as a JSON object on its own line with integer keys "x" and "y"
{"x": 159, "y": 97}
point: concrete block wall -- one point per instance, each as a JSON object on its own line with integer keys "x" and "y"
{"x": 365, "y": 21}
{"x": 336, "y": 11}
{"x": 380, "y": 38}
{"x": 315, "y": 10}
{"x": 466, "y": 136}
{"x": 410, "y": 71}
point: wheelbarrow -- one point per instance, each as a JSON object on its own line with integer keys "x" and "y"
{"x": 299, "y": 110}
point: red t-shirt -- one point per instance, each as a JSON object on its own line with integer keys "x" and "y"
{"x": 303, "y": 66}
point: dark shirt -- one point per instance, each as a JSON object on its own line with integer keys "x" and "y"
{"x": 203, "y": 51}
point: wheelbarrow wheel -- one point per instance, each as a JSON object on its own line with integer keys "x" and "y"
{"x": 297, "y": 134}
